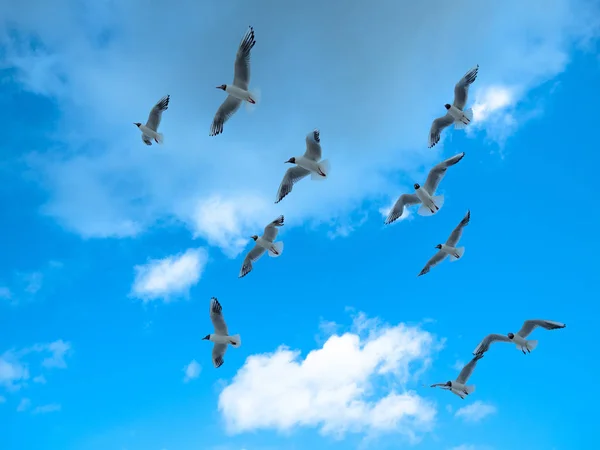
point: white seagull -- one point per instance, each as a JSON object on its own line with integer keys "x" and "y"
{"x": 425, "y": 195}
{"x": 220, "y": 337}
{"x": 449, "y": 248}
{"x": 456, "y": 114}
{"x": 309, "y": 163}
{"x": 149, "y": 131}
{"x": 263, "y": 244}
{"x": 459, "y": 386}
{"x": 519, "y": 339}
{"x": 238, "y": 91}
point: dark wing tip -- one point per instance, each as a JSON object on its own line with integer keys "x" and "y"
{"x": 317, "y": 135}
{"x": 216, "y": 306}
{"x": 219, "y": 362}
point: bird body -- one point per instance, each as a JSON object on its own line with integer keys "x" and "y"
{"x": 459, "y": 115}
{"x": 459, "y": 386}
{"x": 311, "y": 165}
{"x": 158, "y": 137}
{"x": 426, "y": 199}
{"x": 220, "y": 338}
{"x": 265, "y": 243}
{"x": 150, "y": 129}
{"x": 268, "y": 245}
{"x": 239, "y": 93}
{"x": 224, "y": 339}
{"x": 452, "y": 251}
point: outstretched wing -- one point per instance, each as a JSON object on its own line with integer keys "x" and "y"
{"x": 252, "y": 256}
{"x": 438, "y": 171}
{"x": 457, "y": 232}
{"x": 147, "y": 139}
{"x": 271, "y": 230}
{"x": 398, "y": 208}
{"x": 530, "y": 325}
{"x": 216, "y": 316}
{"x": 225, "y": 111}
{"x": 313, "y": 146}
{"x": 434, "y": 261}
{"x": 292, "y": 175}
{"x": 466, "y": 372}
{"x": 241, "y": 76}
{"x": 436, "y": 128}
{"x": 484, "y": 345}
{"x": 217, "y": 354}
{"x": 156, "y": 113}
{"x": 461, "y": 90}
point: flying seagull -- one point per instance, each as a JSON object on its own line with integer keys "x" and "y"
{"x": 519, "y": 339}
{"x": 449, "y": 248}
{"x": 220, "y": 337}
{"x": 263, "y": 244}
{"x": 149, "y": 131}
{"x": 456, "y": 114}
{"x": 459, "y": 386}
{"x": 238, "y": 91}
{"x": 425, "y": 195}
{"x": 309, "y": 163}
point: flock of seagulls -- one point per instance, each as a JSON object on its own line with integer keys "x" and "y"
{"x": 311, "y": 163}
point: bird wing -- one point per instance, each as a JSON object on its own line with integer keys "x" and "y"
{"x": 530, "y": 325}
{"x": 434, "y": 261}
{"x": 156, "y": 113}
{"x": 398, "y": 208}
{"x": 457, "y": 232}
{"x": 438, "y": 171}
{"x": 241, "y": 76}
{"x": 147, "y": 139}
{"x": 438, "y": 384}
{"x": 271, "y": 230}
{"x": 292, "y": 175}
{"x": 218, "y": 353}
{"x": 437, "y": 126}
{"x": 313, "y": 145}
{"x": 484, "y": 345}
{"x": 225, "y": 111}
{"x": 252, "y": 256}
{"x": 466, "y": 371}
{"x": 461, "y": 90}
{"x": 216, "y": 316}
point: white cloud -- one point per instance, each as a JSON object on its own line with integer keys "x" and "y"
{"x": 471, "y": 447}
{"x": 475, "y": 411}
{"x": 192, "y": 371}
{"x": 169, "y": 277}
{"x": 12, "y": 372}
{"x": 58, "y": 349}
{"x": 24, "y": 405}
{"x": 33, "y": 282}
{"x": 40, "y": 379}
{"x": 44, "y": 409}
{"x": 338, "y": 387}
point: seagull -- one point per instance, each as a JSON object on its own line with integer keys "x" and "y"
{"x": 519, "y": 339}
{"x": 449, "y": 248}
{"x": 458, "y": 386}
{"x": 238, "y": 91}
{"x": 309, "y": 163}
{"x": 264, "y": 243}
{"x": 220, "y": 337}
{"x": 149, "y": 131}
{"x": 456, "y": 114}
{"x": 430, "y": 203}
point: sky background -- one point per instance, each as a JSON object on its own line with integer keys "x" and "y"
{"x": 111, "y": 250}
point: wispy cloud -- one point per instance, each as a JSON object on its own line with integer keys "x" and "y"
{"x": 24, "y": 405}
{"x": 475, "y": 412}
{"x": 40, "y": 379}
{"x": 44, "y": 409}
{"x": 169, "y": 277}
{"x": 192, "y": 371}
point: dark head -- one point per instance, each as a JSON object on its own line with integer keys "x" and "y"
{"x": 511, "y": 335}
{"x": 137, "y": 124}
{"x": 439, "y": 246}
{"x": 206, "y": 338}
{"x": 223, "y": 87}
{"x": 417, "y": 186}
{"x": 449, "y": 384}
{"x": 255, "y": 237}
{"x": 447, "y": 106}
{"x": 292, "y": 160}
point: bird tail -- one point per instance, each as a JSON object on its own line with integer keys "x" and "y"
{"x": 324, "y": 167}
{"x": 424, "y": 210}
{"x": 459, "y": 251}
{"x": 255, "y": 96}
{"x": 235, "y": 340}
{"x": 159, "y": 138}
{"x": 470, "y": 389}
{"x": 531, "y": 345}
{"x": 466, "y": 120}
{"x": 278, "y": 247}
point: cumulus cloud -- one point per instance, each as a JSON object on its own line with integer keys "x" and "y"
{"x": 93, "y": 63}
{"x": 169, "y": 277}
{"x": 355, "y": 383}
{"x": 475, "y": 412}
{"x": 192, "y": 371}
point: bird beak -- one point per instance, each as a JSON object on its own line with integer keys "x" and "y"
{"x": 288, "y": 161}
{"x": 204, "y": 338}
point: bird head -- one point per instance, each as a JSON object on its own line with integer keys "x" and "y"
{"x": 255, "y": 237}
{"x": 223, "y": 87}
{"x": 511, "y": 335}
{"x": 292, "y": 160}
{"x": 449, "y": 384}
{"x": 439, "y": 246}
{"x": 206, "y": 338}
{"x": 447, "y": 106}
{"x": 137, "y": 124}
{"x": 417, "y": 186}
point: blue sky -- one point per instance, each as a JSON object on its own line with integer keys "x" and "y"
{"x": 111, "y": 250}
